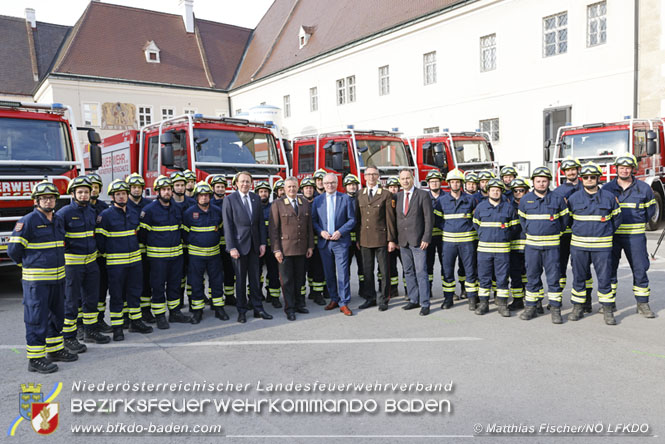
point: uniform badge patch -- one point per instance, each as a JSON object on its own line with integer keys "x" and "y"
{"x": 602, "y": 219}
{"x": 394, "y": 203}
{"x": 503, "y": 225}
{"x": 19, "y": 226}
{"x": 75, "y": 218}
{"x": 195, "y": 215}
{"x": 99, "y": 218}
{"x": 551, "y": 218}
{"x": 142, "y": 214}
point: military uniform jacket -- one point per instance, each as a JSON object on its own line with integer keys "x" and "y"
{"x": 37, "y": 245}
{"x": 376, "y": 218}
{"x": 291, "y": 234}
{"x": 595, "y": 219}
{"x": 201, "y": 230}
{"x": 543, "y": 219}
{"x": 160, "y": 230}
{"x": 117, "y": 238}
{"x": 495, "y": 226}
{"x": 80, "y": 223}
{"x": 638, "y": 205}
{"x": 457, "y": 218}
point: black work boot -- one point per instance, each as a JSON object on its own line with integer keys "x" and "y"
{"x": 93, "y": 335}
{"x": 587, "y": 305}
{"x": 179, "y": 317}
{"x": 517, "y": 304}
{"x": 577, "y": 313}
{"x": 539, "y": 307}
{"x": 608, "y": 316}
{"x": 613, "y": 307}
{"x": 197, "y": 315}
{"x": 125, "y": 321}
{"x": 318, "y": 299}
{"x": 118, "y": 334}
{"x": 61, "y": 355}
{"x": 146, "y": 315}
{"x": 483, "y": 307}
{"x": 102, "y": 326}
{"x": 644, "y": 309}
{"x": 137, "y": 326}
{"x": 447, "y": 304}
{"x": 74, "y": 346}
{"x": 79, "y": 329}
{"x": 502, "y": 307}
{"x": 529, "y": 313}
{"x": 220, "y": 313}
{"x": 276, "y": 303}
{"x": 462, "y": 292}
{"x": 162, "y": 323}
{"x": 41, "y": 365}
{"x": 473, "y": 302}
{"x": 556, "y": 315}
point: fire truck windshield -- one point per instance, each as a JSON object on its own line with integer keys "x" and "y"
{"x": 29, "y": 139}
{"x": 235, "y": 147}
{"x": 471, "y": 151}
{"x": 594, "y": 145}
{"x": 383, "y": 153}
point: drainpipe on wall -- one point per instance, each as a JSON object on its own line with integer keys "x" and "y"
{"x": 636, "y": 59}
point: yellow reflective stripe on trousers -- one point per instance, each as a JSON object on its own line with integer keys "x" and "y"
{"x": 80, "y": 234}
{"x": 203, "y": 251}
{"x": 164, "y": 251}
{"x": 494, "y": 247}
{"x": 591, "y": 242}
{"x": 115, "y": 233}
{"x": 80, "y": 259}
{"x": 465, "y": 236}
{"x": 44, "y": 245}
{"x": 517, "y": 244}
{"x": 123, "y": 258}
{"x": 43, "y": 274}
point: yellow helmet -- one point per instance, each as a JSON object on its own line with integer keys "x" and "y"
{"x": 455, "y": 174}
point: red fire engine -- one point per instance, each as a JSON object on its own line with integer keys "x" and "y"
{"x": 350, "y": 152}
{"x": 205, "y": 145}
{"x": 601, "y": 143}
{"x": 37, "y": 142}
{"x": 468, "y": 151}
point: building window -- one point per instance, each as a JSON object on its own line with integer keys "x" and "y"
{"x": 429, "y": 68}
{"x": 384, "y": 80}
{"x": 341, "y": 92}
{"x": 151, "y": 52}
{"x": 351, "y": 88}
{"x": 314, "y": 99}
{"x": 490, "y": 126}
{"x": 555, "y": 34}
{"x": 91, "y": 114}
{"x": 287, "y": 106}
{"x": 488, "y": 53}
{"x": 167, "y": 112}
{"x": 189, "y": 111}
{"x": 596, "y": 24}
{"x": 431, "y": 130}
{"x": 306, "y": 159}
{"x": 145, "y": 115}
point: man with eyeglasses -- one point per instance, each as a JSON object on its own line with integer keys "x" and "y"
{"x": 596, "y": 216}
{"x": 333, "y": 218}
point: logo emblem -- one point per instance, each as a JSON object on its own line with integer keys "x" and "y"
{"x": 45, "y": 417}
{"x": 29, "y": 393}
{"x": 37, "y": 408}
{"x": 602, "y": 219}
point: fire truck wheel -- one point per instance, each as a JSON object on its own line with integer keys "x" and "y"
{"x": 653, "y": 222}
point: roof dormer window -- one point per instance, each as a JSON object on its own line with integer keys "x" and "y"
{"x": 151, "y": 52}
{"x": 304, "y": 35}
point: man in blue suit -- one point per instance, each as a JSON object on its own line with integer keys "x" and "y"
{"x": 334, "y": 217}
{"x": 245, "y": 233}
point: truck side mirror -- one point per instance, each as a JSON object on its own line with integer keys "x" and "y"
{"x": 337, "y": 162}
{"x": 439, "y": 156}
{"x": 94, "y": 137}
{"x": 651, "y": 143}
{"x": 289, "y": 153}
{"x": 427, "y": 145}
{"x": 491, "y": 150}
{"x": 548, "y": 143}
{"x": 95, "y": 156}
{"x": 167, "y": 156}
{"x": 546, "y": 154}
{"x": 328, "y": 144}
{"x": 167, "y": 138}
{"x": 337, "y": 148}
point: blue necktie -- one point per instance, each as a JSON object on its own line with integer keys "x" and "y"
{"x": 331, "y": 214}
{"x": 248, "y": 207}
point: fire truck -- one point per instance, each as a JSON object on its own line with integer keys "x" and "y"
{"x": 468, "y": 151}
{"x": 37, "y": 142}
{"x": 205, "y": 145}
{"x": 601, "y": 143}
{"x": 351, "y": 152}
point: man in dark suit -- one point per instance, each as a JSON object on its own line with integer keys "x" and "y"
{"x": 333, "y": 217}
{"x": 292, "y": 240}
{"x": 414, "y": 233}
{"x": 376, "y": 236}
{"x": 245, "y": 233}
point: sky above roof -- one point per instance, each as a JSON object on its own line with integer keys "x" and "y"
{"x": 246, "y": 13}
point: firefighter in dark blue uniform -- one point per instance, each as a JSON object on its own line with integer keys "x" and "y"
{"x": 315, "y": 276}
{"x": 393, "y": 185}
{"x": 596, "y": 216}
{"x": 459, "y": 239}
{"x": 99, "y": 206}
{"x": 160, "y": 232}
{"x": 82, "y": 272}
{"x": 136, "y": 203}
{"x": 543, "y": 216}
{"x": 494, "y": 220}
{"x": 508, "y": 174}
{"x": 37, "y": 245}
{"x": 470, "y": 187}
{"x": 638, "y": 206}
{"x": 190, "y": 176}
{"x": 484, "y": 176}
{"x": 435, "y": 248}
{"x": 273, "y": 289}
{"x": 318, "y": 181}
{"x": 117, "y": 241}
{"x": 202, "y": 225}
{"x": 183, "y": 201}
{"x": 218, "y": 184}
{"x": 351, "y": 183}
{"x": 520, "y": 187}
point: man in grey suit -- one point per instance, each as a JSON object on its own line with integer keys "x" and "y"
{"x": 414, "y": 233}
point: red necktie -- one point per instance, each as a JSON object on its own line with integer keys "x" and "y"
{"x": 406, "y": 203}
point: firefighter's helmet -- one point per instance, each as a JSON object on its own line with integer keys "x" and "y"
{"x": 508, "y": 171}
{"x": 135, "y": 179}
{"x": 318, "y": 174}
{"x": 496, "y": 183}
{"x": 217, "y": 178}
{"x": 486, "y": 175}
{"x": 590, "y": 169}
{"x": 392, "y": 182}
{"x": 189, "y": 175}
{"x": 177, "y": 176}
{"x": 542, "y": 172}
{"x": 455, "y": 174}
{"x": 161, "y": 182}
{"x": 117, "y": 185}
{"x": 307, "y": 182}
{"x": 433, "y": 175}
{"x": 570, "y": 163}
{"x": 202, "y": 188}
{"x": 626, "y": 159}
{"x": 520, "y": 182}
{"x": 80, "y": 181}
{"x": 277, "y": 185}
{"x": 471, "y": 176}
{"x": 351, "y": 178}
{"x": 96, "y": 178}
{"x": 263, "y": 185}
{"x": 44, "y": 188}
